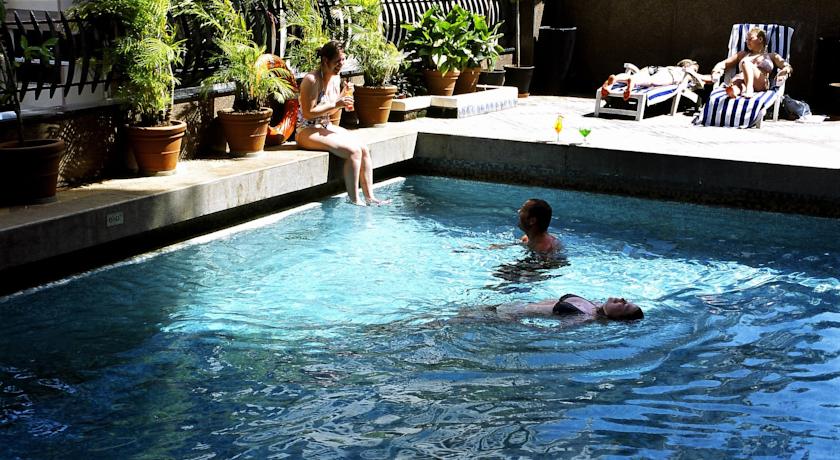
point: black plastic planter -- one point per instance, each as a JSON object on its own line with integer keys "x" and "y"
{"x": 492, "y": 77}
{"x": 519, "y": 77}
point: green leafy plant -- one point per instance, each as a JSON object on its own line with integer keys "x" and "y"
{"x": 482, "y": 41}
{"x": 144, "y": 55}
{"x": 378, "y": 58}
{"x": 439, "y": 40}
{"x": 304, "y": 15}
{"x": 9, "y": 65}
{"x": 237, "y": 57}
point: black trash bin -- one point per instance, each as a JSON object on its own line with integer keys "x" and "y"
{"x": 553, "y": 56}
{"x": 825, "y": 98}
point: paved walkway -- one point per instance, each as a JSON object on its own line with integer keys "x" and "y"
{"x": 95, "y": 214}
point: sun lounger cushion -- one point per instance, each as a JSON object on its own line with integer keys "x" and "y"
{"x": 740, "y": 112}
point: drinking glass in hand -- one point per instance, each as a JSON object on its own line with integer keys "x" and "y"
{"x": 348, "y": 91}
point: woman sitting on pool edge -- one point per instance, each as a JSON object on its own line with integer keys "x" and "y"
{"x": 321, "y": 96}
{"x": 615, "y": 308}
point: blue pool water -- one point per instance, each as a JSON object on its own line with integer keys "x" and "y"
{"x": 340, "y": 331}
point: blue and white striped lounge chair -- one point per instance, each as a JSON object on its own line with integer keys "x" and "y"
{"x": 741, "y": 112}
{"x": 642, "y": 97}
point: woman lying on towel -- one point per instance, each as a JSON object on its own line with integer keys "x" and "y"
{"x": 656, "y": 76}
{"x": 754, "y": 66}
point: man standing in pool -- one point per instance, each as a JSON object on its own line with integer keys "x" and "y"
{"x": 534, "y": 218}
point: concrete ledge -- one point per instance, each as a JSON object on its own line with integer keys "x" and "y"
{"x": 411, "y": 103}
{"x": 480, "y": 102}
{"x": 97, "y": 214}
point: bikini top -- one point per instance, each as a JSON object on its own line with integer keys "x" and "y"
{"x": 763, "y": 62}
{"x": 323, "y": 120}
{"x": 571, "y": 304}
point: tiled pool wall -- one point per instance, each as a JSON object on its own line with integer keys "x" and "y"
{"x": 804, "y": 190}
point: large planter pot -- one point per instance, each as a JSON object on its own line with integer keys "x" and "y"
{"x": 492, "y": 77}
{"x": 245, "y": 131}
{"x": 157, "y": 148}
{"x": 29, "y": 172}
{"x": 373, "y": 104}
{"x": 519, "y": 77}
{"x": 441, "y": 84}
{"x": 467, "y": 80}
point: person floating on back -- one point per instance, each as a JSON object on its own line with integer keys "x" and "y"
{"x": 571, "y": 305}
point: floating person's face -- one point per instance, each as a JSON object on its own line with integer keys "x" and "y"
{"x": 620, "y": 309}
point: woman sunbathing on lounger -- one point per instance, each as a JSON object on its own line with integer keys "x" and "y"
{"x": 656, "y": 76}
{"x": 754, "y": 65}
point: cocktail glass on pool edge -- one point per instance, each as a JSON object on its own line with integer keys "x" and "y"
{"x": 584, "y": 131}
{"x": 558, "y": 126}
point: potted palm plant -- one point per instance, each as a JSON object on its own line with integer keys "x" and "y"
{"x": 144, "y": 56}
{"x": 439, "y": 42}
{"x": 519, "y": 75}
{"x": 483, "y": 47}
{"x": 28, "y": 167}
{"x": 245, "y": 124}
{"x": 377, "y": 58}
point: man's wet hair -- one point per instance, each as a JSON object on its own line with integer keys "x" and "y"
{"x": 541, "y": 211}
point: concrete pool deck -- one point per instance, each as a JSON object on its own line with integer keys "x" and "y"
{"x": 783, "y": 166}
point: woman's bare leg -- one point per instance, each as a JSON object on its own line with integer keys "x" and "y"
{"x": 749, "y": 70}
{"x": 341, "y": 145}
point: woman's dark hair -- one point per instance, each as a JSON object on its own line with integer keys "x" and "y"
{"x": 330, "y": 50}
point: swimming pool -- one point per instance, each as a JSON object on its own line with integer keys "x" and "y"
{"x": 339, "y": 331}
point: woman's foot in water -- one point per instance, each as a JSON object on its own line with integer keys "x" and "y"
{"x": 373, "y": 201}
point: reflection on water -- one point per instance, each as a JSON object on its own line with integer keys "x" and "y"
{"x": 518, "y": 276}
{"x": 372, "y": 340}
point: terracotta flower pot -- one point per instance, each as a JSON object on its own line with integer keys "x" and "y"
{"x": 157, "y": 148}
{"x": 245, "y": 131}
{"x": 29, "y": 172}
{"x": 441, "y": 84}
{"x": 373, "y": 104}
{"x": 467, "y": 80}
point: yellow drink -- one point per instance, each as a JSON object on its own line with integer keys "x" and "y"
{"x": 558, "y": 126}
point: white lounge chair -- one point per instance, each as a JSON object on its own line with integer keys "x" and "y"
{"x": 642, "y": 97}
{"x": 741, "y": 112}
